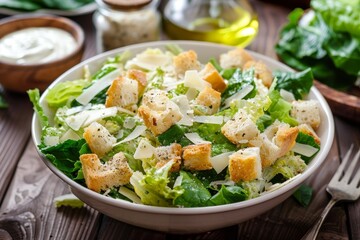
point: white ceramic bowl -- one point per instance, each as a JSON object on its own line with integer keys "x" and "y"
{"x": 189, "y": 220}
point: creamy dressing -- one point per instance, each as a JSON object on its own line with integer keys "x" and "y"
{"x": 36, "y": 45}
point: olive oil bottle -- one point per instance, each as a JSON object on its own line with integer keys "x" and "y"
{"x": 230, "y": 22}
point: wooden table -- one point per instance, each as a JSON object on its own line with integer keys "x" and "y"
{"x": 27, "y": 185}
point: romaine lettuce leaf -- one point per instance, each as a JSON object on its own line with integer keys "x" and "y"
{"x": 309, "y": 140}
{"x": 238, "y": 81}
{"x": 229, "y": 194}
{"x": 298, "y": 83}
{"x": 65, "y": 156}
{"x": 303, "y": 195}
{"x": 194, "y": 195}
{"x": 340, "y": 15}
{"x": 34, "y": 95}
{"x": 280, "y": 109}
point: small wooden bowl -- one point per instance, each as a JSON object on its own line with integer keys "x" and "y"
{"x": 19, "y": 78}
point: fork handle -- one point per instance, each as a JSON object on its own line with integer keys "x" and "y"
{"x": 313, "y": 232}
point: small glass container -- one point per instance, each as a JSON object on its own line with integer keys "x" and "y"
{"x": 121, "y": 22}
{"x": 231, "y": 22}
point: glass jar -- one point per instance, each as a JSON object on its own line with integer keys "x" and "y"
{"x": 120, "y": 23}
{"x": 231, "y": 22}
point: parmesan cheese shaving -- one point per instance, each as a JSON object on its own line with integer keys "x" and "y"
{"x": 144, "y": 150}
{"x": 195, "y": 138}
{"x": 287, "y": 96}
{"x": 51, "y": 140}
{"x": 100, "y": 84}
{"x": 239, "y": 95}
{"x": 98, "y": 114}
{"x": 220, "y": 162}
{"x": 209, "y": 119}
{"x": 183, "y": 103}
{"x": 130, "y": 195}
{"x": 69, "y": 134}
{"x": 192, "y": 79}
{"x": 134, "y": 134}
{"x": 304, "y": 149}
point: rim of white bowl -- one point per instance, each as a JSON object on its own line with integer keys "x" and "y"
{"x": 314, "y": 165}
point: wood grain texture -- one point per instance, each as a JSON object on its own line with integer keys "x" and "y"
{"x": 349, "y": 134}
{"x": 14, "y": 133}
{"x": 34, "y": 188}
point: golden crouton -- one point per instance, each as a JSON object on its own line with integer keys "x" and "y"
{"x": 240, "y": 129}
{"x": 262, "y": 72}
{"x": 140, "y": 77}
{"x": 210, "y": 99}
{"x": 123, "y": 92}
{"x": 99, "y": 139}
{"x": 98, "y": 176}
{"x": 159, "y": 114}
{"x": 212, "y": 76}
{"x": 197, "y": 157}
{"x": 245, "y": 165}
{"x": 186, "y": 61}
{"x": 306, "y": 111}
{"x": 167, "y": 153}
{"x": 307, "y": 129}
{"x": 235, "y": 58}
{"x": 275, "y": 142}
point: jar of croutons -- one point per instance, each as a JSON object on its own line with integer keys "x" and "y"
{"x": 122, "y": 22}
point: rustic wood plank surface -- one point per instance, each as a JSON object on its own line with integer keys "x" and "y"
{"x": 32, "y": 187}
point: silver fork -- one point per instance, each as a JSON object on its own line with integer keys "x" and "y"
{"x": 341, "y": 187}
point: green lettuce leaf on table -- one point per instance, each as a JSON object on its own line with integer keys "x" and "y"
{"x": 313, "y": 39}
{"x": 33, "y": 5}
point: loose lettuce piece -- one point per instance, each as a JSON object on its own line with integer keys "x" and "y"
{"x": 194, "y": 192}
{"x": 297, "y": 83}
{"x": 229, "y": 194}
{"x": 280, "y": 109}
{"x": 65, "y": 156}
{"x": 303, "y": 195}
{"x": 153, "y": 189}
{"x": 68, "y": 200}
{"x": 238, "y": 81}
{"x": 3, "y": 103}
{"x": 309, "y": 140}
{"x": 288, "y": 166}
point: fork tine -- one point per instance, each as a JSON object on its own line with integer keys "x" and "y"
{"x": 356, "y": 179}
{"x": 349, "y": 171}
{"x": 340, "y": 170}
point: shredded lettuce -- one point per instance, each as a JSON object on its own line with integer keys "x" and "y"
{"x": 288, "y": 166}
{"x": 153, "y": 189}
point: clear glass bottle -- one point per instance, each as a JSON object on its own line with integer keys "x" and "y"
{"x": 122, "y": 22}
{"x": 231, "y": 22}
